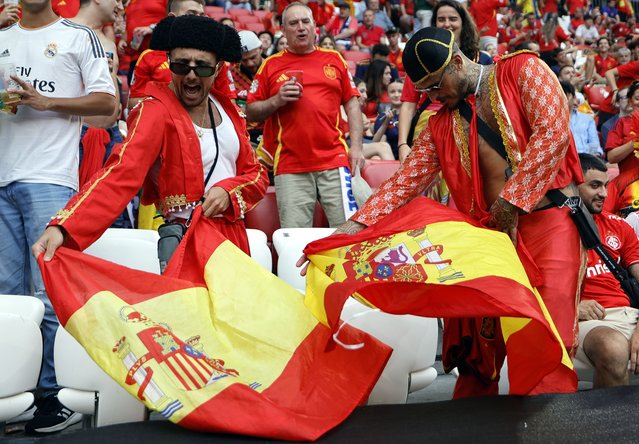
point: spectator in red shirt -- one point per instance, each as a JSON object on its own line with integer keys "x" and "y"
{"x": 395, "y": 55}
{"x": 485, "y": 14}
{"x": 342, "y": 26}
{"x": 608, "y": 334}
{"x": 141, "y": 17}
{"x": 549, "y": 38}
{"x": 301, "y": 115}
{"x": 573, "y": 5}
{"x": 622, "y": 75}
{"x": 577, "y": 20}
{"x": 369, "y": 34}
{"x": 621, "y": 146}
{"x": 548, "y": 7}
{"x": 599, "y": 63}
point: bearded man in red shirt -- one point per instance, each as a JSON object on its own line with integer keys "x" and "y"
{"x": 608, "y": 335}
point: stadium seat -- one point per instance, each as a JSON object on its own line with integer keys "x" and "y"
{"x": 132, "y": 248}
{"x": 255, "y": 27}
{"x": 21, "y": 343}
{"x": 352, "y": 66}
{"x": 265, "y": 17}
{"x": 596, "y": 95}
{"x": 264, "y": 215}
{"x": 356, "y": 56}
{"x": 413, "y": 338}
{"x": 218, "y": 16}
{"x": 236, "y": 12}
{"x": 244, "y": 19}
{"x": 377, "y": 171}
{"x": 213, "y": 10}
{"x": 88, "y": 389}
{"x": 260, "y": 250}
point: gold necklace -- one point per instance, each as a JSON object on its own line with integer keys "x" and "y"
{"x": 200, "y": 129}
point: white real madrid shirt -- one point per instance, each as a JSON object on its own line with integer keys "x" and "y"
{"x": 64, "y": 60}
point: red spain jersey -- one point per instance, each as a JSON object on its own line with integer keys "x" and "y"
{"x": 305, "y": 135}
{"x": 620, "y": 240}
{"x": 66, "y": 8}
{"x": 396, "y": 59}
{"x": 141, "y": 13}
{"x": 628, "y": 73}
{"x": 153, "y": 66}
{"x": 603, "y": 65}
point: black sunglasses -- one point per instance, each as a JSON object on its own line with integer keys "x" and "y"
{"x": 182, "y": 69}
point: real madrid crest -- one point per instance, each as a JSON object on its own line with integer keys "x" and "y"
{"x": 52, "y": 50}
{"x": 330, "y": 72}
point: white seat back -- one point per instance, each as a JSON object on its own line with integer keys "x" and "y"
{"x": 132, "y": 248}
{"x": 82, "y": 377}
{"x": 21, "y": 345}
{"x": 75, "y": 370}
{"x": 28, "y": 307}
{"x": 289, "y": 244}
{"x": 260, "y": 251}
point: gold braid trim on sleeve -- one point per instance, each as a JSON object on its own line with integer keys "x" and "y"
{"x": 64, "y": 214}
{"x": 461, "y": 142}
{"x": 503, "y": 120}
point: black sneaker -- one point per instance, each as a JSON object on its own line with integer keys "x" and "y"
{"x": 51, "y": 416}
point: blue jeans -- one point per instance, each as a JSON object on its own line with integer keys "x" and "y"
{"x": 25, "y": 211}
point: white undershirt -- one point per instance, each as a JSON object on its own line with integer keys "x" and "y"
{"x": 229, "y": 145}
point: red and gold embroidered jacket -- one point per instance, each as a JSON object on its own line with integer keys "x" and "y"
{"x": 533, "y": 118}
{"x": 161, "y": 154}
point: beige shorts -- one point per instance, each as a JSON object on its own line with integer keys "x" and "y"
{"x": 621, "y": 319}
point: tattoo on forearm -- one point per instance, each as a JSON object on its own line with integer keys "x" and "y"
{"x": 503, "y": 214}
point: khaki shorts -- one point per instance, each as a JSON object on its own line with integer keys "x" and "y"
{"x": 297, "y": 193}
{"x": 621, "y": 319}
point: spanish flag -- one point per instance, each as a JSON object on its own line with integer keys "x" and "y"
{"x": 216, "y": 344}
{"x": 426, "y": 259}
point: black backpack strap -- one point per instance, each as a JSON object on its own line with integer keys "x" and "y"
{"x": 415, "y": 119}
{"x": 491, "y": 137}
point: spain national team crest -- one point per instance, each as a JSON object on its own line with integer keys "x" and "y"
{"x": 399, "y": 258}
{"x": 330, "y": 72}
{"x": 183, "y": 361}
{"x": 613, "y": 242}
{"x": 254, "y": 86}
{"x": 51, "y": 51}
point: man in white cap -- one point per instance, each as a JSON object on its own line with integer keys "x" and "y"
{"x": 243, "y": 74}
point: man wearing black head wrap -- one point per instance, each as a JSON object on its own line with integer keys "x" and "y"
{"x": 177, "y": 137}
{"x": 498, "y": 171}
{"x": 152, "y": 66}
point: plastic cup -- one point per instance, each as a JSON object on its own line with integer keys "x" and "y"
{"x": 8, "y": 101}
{"x": 298, "y": 77}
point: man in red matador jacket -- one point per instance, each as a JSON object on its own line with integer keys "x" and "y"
{"x": 153, "y": 65}
{"x": 172, "y": 145}
{"x": 520, "y": 100}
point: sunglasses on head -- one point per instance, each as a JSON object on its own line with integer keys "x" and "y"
{"x": 182, "y": 69}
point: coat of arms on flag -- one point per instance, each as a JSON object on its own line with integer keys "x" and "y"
{"x": 220, "y": 345}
